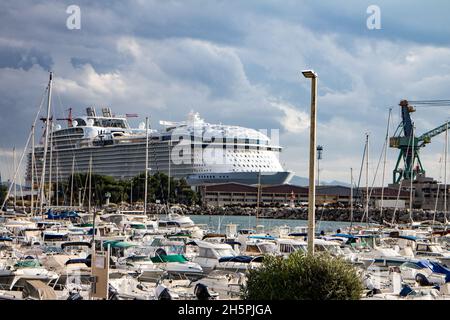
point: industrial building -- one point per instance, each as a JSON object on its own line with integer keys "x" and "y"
{"x": 427, "y": 193}
{"x": 226, "y": 194}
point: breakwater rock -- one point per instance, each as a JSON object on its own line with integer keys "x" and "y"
{"x": 325, "y": 214}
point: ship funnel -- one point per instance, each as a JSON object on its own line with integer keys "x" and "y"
{"x": 90, "y": 111}
{"x": 107, "y": 112}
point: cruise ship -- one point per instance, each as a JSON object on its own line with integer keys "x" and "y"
{"x": 198, "y": 151}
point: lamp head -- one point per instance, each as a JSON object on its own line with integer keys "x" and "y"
{"x": 309, "y": 74}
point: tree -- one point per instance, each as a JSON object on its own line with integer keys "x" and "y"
{"x": 303, "y": 277}
{"x": 3, "y": 192}
{"x": 158, "y": 189}
{"x": 121, "y": 190}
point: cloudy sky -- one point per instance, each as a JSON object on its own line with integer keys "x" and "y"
{"x": 234, "y": 62}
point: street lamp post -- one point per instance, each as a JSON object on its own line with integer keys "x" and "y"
{"x": 310, "y": 74}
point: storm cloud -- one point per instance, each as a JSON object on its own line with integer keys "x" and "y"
{"x": 234, "y": 62}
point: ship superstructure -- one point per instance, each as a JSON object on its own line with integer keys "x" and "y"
{"x": 201, "y": 152}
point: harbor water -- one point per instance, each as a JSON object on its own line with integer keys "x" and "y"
{"x": 218, "y": 223}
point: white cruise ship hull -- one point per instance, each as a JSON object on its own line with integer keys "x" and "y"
{"x": 266, "y": 178}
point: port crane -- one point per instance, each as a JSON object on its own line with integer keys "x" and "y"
{"x": 408, "y": 143}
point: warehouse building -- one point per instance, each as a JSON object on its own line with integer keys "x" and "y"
{"x": 291, "y": 195}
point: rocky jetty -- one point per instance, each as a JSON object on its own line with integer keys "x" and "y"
{"x": 301, "y": 213}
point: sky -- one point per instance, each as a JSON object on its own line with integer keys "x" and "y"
{"x": 237, "y": 63}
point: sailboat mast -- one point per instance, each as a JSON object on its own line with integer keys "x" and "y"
{"x": 71, "y": 182}
{"x": 47, "y": 128}
{"x": 57, "y": 180}
{"x": 168, "y": 178}
{"x": 351, "y": 199}
{"x": 258, "y": 197}
{"x": 50, "y": 171}
{"x": 445, "y": 174}
{"x": 386, "y": 141}
{"x": 367, "y": 178}
{"x": 90, "y": 185}
{"x": 32, "y": 170}
{"x": 411, "y": 176}
{"x": 146, "y": 165}
{"x": 14, "y": 180}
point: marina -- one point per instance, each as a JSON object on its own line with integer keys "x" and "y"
{"x": 192, "y": 152}
{"x": 174, "y": 256}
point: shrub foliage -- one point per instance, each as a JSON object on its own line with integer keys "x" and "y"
{"x": 303, "y": 277}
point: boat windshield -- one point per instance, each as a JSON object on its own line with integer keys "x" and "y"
{"x": 436, "y": 249}
{"x": 228, "y": 252}
{"x": 267, "y": 247}
{"x": 334, "y": 249}
{"x": 299, "y": 247}
{"x": 348, "y": 250}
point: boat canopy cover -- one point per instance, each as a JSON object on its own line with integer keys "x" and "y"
{"x": 231, "y": 242}
{"x": 137, "y": 258}
{"x": 412, "y": 238}
{"x": 51, "y": 249}
{"x": 84, "y": 225}
{"x": 214, "y": 235}
{"x": 169, "y": 258}
{"x": 242, "y": 259}
{"x": 28, "y": 263}
{"x": 62, "y": 215}
{"x": 75, "y": 244}
{"x": 138, "y": 226}
{"x": 344, "y": 235}
{"x": 76, "y": 261}
{"x": 266, "y": 237}
{"x": 176, "y": 235}
{"x": 117, "y": 244}
{"x": 38, "y": 290}
{"x": 298, "y": 234}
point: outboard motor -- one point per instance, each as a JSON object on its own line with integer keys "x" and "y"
{"x": 201, "y": 292}
{"x": 112, "y": 293}
{"x": 422, "y": 280}
{"x": 162, "y": 293}
{"x": 75, "y": 295}
{"x": 74, "y": 292}
{"x": 373, "y": 292}
{"x": 406, "y": 290}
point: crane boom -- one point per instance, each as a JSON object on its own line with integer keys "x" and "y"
{"x": 426, "y": 137}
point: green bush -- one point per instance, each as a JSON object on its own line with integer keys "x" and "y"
{"x": 303, "y": 277}
{"x": 3, "y": 192}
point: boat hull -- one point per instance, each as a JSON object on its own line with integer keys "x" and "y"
{"x": 266, "y": 178}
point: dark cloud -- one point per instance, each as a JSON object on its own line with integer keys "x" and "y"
{"x": 22, "y": 58}
{"x": 235, "y": 62}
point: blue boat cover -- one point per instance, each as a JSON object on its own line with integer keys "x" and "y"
{"x": 5, "y": 238}
{"x": 412, "y": 238}
{"x": 232, "y": 242}
{"x": 62, "y": 215}
{"x": 267, "y": 237}
{"x": 73, "y": 261}
{"x": 243, "y": 259}
{"x": 344, "y": 235}
{"x": 435, "y": 267}
{"x": 298, "y": 234}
